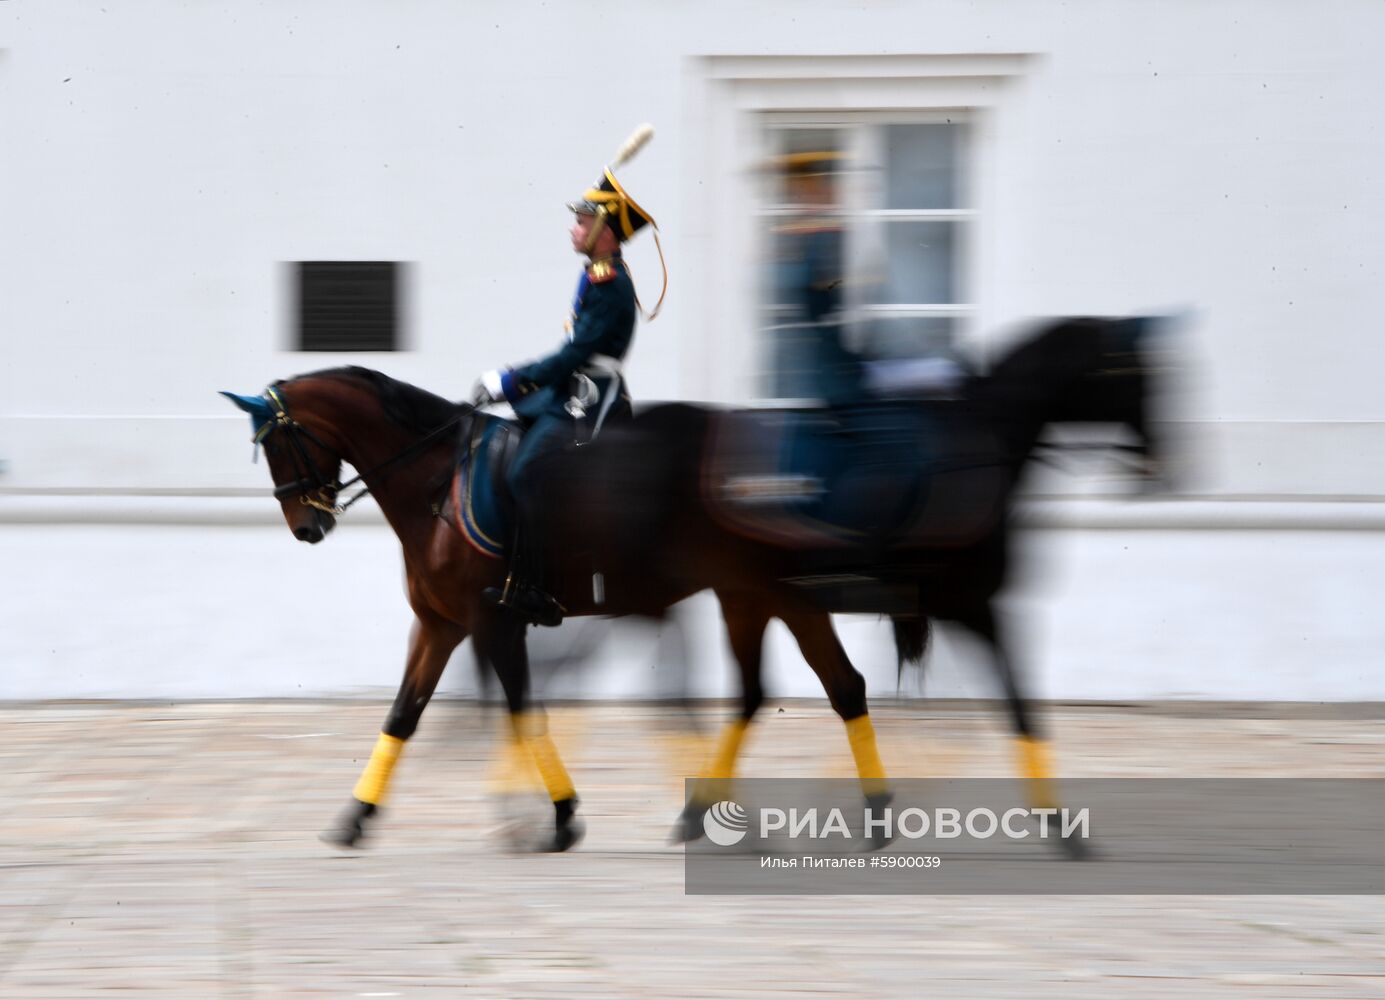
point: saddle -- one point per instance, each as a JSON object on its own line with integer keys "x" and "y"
{"x": 866, "y": 482}
{"x": 482, "y": 508}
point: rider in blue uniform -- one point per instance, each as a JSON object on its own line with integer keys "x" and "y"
{"x": 812, "y": 271}
{"x": 569, "y": 395}
{"x": 870, "y": 453}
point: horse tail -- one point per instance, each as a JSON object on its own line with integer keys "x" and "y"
{"x": 911, "y": 635}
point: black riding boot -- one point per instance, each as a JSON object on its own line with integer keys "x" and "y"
{"x": 523, "y": 592}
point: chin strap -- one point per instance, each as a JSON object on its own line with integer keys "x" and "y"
{"x": 650, "y": 316}
{"x": 601, "y": 219}
{"x": 594, "y": 233}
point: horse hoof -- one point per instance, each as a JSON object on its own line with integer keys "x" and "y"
{"x": 1076, "y": 848}
{"x": 876, "y": 842}
{"x": 877, "y": 839}
{"x": 686, "y": 832}
{"x": 565, "y": 838}
{"x": 349, "y": 829}
{"x": 689, "y": 829}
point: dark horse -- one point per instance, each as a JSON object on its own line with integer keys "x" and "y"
{"x": 642, "y": 535}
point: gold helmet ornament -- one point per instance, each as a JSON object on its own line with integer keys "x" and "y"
{"x": 613, "y": 207}
{"x": 811, "y": 163}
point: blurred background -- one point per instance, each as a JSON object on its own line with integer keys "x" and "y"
{"x": 199, "y": 197}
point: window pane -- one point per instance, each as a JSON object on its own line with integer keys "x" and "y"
{"x": 921, "y": 166}
{"x": 920, "y": 264}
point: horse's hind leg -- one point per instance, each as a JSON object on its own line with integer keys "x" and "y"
{"x": 500, "y": 642}
{"x": 430, "y": 646}
{"x": 846, "y": 690}
{"x": 745, "y": 627}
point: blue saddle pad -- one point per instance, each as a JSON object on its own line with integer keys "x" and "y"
{"x": 481, "y": 506}
{"x": 888, "y": 475}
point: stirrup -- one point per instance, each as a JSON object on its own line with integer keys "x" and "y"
{"x": 539, "y": 608}
{"x": 528, "y": 602}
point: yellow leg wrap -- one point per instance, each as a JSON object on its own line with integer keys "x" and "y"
{"x": 723, "y": 764}
{"x": 1037, "y": 769}
{"x": 714, "y": 783}
{"x": 533, "y": 731}
{"x": 512, "y": 771}
{"x": 860, "y": 732}
{"x": 375, "y": 779}
{"x": 550, "y": 765}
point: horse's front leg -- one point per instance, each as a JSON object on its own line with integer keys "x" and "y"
{"x": 846, "y": 690}
{"x": 1035, "y": 761}
{"x": 430, "y": 646}
{"x": 746, "y": 621}
{"x": 500, "y": 642}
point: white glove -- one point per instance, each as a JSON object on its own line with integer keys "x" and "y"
{"x": 487, "y": 389}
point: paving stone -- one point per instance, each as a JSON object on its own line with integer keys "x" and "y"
{"x": 170, "y": 850}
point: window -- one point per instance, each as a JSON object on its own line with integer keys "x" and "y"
{"x": 347, "y": 305}
{"x": 746, "y": 103}
{"x": 900, "y": 194}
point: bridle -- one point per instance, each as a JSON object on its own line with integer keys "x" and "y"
{"x": 312, "y": 488}
{"x": 1124, "y": 360}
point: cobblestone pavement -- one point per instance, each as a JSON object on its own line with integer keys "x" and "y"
{"x": 172, "y": 850}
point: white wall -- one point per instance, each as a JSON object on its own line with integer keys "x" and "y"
{"x": 244, "y": 610}
{"x": 162, "y": 160}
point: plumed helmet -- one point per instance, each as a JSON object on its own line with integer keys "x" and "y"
{"x": 608, "y": 198}
{"x": 611, "y": 202}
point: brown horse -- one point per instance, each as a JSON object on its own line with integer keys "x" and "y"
{"x": 639, "y": 535}
{"x": 405, "y": 442}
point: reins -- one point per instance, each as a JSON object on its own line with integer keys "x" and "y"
{"x": 416, "y": 446}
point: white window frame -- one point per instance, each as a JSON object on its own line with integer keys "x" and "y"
{"x": 726, "y": 104}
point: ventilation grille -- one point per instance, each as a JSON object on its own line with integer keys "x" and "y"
{"x": 348, "y": 305}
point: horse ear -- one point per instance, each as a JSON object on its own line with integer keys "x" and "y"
{"x": 261, "y": 413}
{"x": 256, "y": 406}
{"x": 1152, "y": 329}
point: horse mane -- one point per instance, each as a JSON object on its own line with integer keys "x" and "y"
{"x": 414, "y": 409}
{"x": 1056, "y": 344}
{"x": 1026, "y": 376}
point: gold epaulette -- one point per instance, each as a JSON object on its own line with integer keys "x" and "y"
{"x": 601, "y": 271}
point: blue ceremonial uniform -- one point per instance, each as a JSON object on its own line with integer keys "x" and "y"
{"x": 603, "y": 324}
{"x": 554, "y": 395}
{"x": 813, "y": 359}
{"x": 573, "y": 392}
